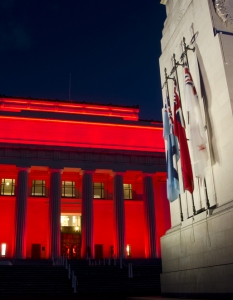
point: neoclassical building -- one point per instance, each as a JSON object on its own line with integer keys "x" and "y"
{"x": 80, "y": 179}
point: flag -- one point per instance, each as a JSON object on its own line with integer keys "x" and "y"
{"x": 179, "y": 131}
{"x": 197, "y": 132}
{"x": 173, "y": 188}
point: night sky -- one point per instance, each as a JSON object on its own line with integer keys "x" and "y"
{"x": 110, "y": 47}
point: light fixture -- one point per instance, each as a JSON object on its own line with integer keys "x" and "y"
{"x": 128, "y": 250}
{"x": 77, "y": 228}
{"x": 3, "y": 249}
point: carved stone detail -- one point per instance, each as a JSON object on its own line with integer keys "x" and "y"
{"x": 224, "y": 9}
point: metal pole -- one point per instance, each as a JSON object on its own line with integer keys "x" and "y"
{"x": 194, "y": 209}
{"x": 178, "y": 64}
{"x": 206, "y": 194}
{"x": 186, "y": 48}
{"x": 69, "y": 271}
{"x": 75, "y": 284}
{"x": 72, "y": 279}
{"x": 187, "y": 205}
{"x": 167, "y": 91}
{"x": 198, "y": 179}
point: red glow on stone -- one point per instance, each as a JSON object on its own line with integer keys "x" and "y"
{"x": 19, "y": 130}
{"x": 11, "y": 104}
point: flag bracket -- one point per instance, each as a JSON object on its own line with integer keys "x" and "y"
{"x": 186, "y": 49}
{"x": 167, "y": 78}
{"x": 176, "y": 64}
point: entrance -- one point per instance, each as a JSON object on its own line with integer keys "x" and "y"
{"x": 71, "y": 236}
{"x": 71, "y": 245}
{"x": 98, "y": 251}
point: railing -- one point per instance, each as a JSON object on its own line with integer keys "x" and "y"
{"x": 63, "y": 261}
{"x": 115, "y": 263}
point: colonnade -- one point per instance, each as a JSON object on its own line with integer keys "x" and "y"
{"x": 87, "y": 214}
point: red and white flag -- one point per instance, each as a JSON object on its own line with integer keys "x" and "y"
{"x": 179, "y": 131}
{"x": 197, "y": 131}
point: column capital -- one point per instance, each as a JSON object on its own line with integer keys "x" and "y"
{"x": 82, "y": 172}
{"x": 118, "y": 173}
{"x": 50, "y": 171}
{"x": 147, "y": 175}
{"x": 27, "y": 169}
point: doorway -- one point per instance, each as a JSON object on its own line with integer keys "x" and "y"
{"x": 98, "y": 251}
{"x": 71, "y": 235}
{"x": 35, "y": 253}
{"x": 71, "y": 245}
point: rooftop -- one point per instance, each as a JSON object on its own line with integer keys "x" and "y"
{"x": 18, "y": 104}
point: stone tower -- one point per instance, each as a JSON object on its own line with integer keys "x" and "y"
{"x": 197, "y": 253}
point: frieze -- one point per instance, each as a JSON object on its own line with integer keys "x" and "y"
{"x": 59, "y": 155}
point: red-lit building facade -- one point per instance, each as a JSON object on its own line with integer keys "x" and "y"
{"x": 80, "y": 179}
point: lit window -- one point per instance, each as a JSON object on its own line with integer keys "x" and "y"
{"x": 128, "y": 193}
{"x": 8, "y": 187}
{"x": 98, "y": 190}
{"x": 38, "y": 188}
{"x": 68, "y": 189}
{"x": 71, "y": 221}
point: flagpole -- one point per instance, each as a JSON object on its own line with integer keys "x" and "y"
{"x": 176, "y": 64}
{"x": 174, "y": 69}
{"x": 167, "y": 91}
{"x": 185, "y": 54}
{"x": 193, "y": 41}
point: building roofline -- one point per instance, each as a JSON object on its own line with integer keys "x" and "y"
{"x": 70, "y": 101}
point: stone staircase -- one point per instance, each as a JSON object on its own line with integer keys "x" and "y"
{"x": 28, "y": 277}
{"x": 110, "y": 279}
{"x": 31, "y": 279}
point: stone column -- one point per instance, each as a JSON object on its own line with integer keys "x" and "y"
{"x": 87, "y": 215}
{"x": 55, "y": 212}
{"x": 21, "y": 213}
{"x": 119, "y": 215}
{"x": 149, "y": 214}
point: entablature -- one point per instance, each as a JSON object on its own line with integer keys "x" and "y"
{"x": 84, "y": 159}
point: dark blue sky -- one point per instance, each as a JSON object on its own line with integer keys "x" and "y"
{"x": 110, "y": 47}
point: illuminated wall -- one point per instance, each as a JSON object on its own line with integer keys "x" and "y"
{"x": 19, "y": 130}
{"x": 38, "y": 216}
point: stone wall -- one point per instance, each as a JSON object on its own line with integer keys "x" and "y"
{"x": 197, "y": 253}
